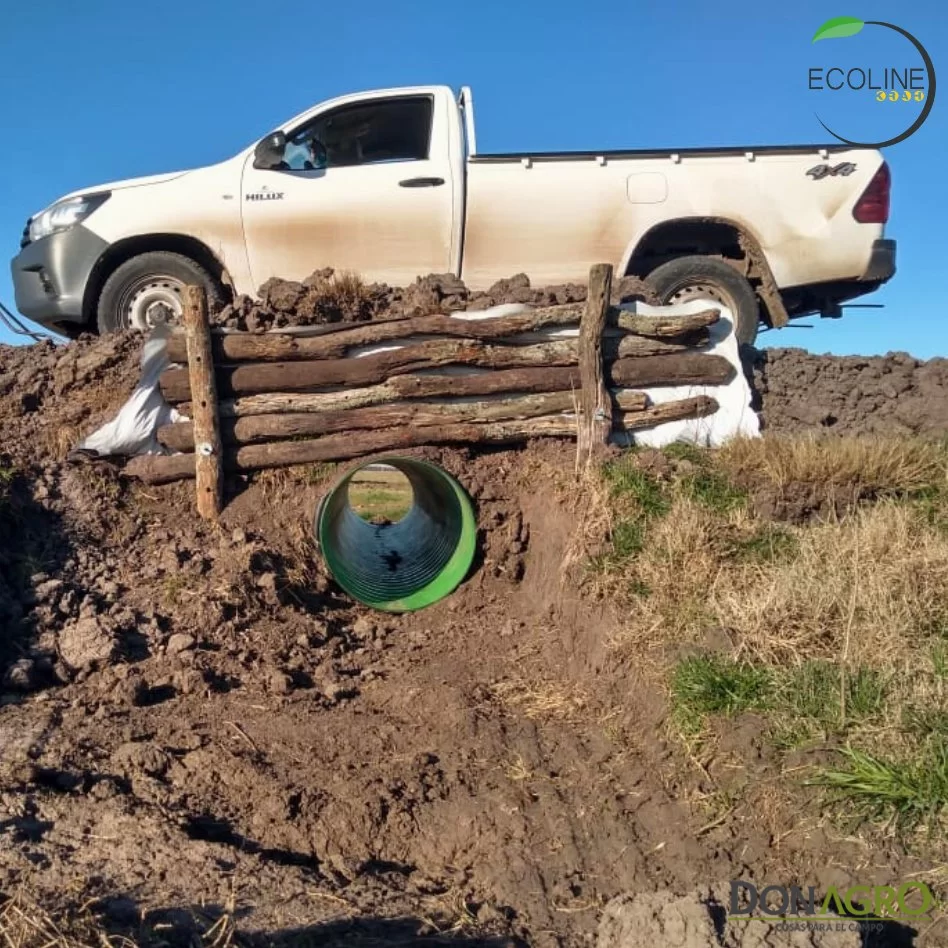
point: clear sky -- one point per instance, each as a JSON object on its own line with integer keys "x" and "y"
{"x": 108, "y": 89}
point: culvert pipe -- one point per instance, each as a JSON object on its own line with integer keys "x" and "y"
{"x": 403, "y": 566}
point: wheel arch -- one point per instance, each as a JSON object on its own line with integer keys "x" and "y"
{"x": 734, "y": 242}
{"x": 124, "y": 250}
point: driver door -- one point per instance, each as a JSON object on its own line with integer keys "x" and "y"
{"x": 360, "y": 188}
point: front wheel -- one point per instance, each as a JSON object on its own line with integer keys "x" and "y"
{"x": 148, "y": 290}
{"x": 692, "y": 278}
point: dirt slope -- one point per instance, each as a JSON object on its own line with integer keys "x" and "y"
{"x": 194, "y": 722}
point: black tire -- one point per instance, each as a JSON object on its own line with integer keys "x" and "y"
{"x": 695, "y": 277}
{"x": 172, "y": 271}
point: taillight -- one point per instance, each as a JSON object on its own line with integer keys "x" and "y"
{"x": 873, "y": 206}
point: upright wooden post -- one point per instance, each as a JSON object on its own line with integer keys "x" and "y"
{"x": 207, "y": 436}
{"x": 595, "y": 404}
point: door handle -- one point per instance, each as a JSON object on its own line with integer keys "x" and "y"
{"x": 421, "y": 183}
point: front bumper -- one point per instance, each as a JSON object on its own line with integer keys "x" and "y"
{"x": 50, "y": 276}
{"x": 881, "y": 262}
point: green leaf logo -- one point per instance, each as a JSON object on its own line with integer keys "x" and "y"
{"x": 839, "y": 27}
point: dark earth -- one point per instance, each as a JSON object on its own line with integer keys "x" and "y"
{"x": 194, "y": 720}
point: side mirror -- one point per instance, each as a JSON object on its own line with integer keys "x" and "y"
{"x": 269, "y": 151}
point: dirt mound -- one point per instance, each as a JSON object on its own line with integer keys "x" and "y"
{"x": 196, "y": 726}
{"x": 328, "y": 297}
{"x": 222, "y": 722}
{"x": 893, "y": 394}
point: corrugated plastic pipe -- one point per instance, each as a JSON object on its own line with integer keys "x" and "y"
{"x": 399, "y": 567}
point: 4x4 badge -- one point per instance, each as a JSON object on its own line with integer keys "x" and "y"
{"x": 844, "y": 168}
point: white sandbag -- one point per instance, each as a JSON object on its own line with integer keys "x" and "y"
{"x": 734, "y": 417}
{"x": 133, "y": 430}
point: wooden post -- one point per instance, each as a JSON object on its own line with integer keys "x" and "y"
{"x": 208, "y": 463}
{"x": 595, "y": 423}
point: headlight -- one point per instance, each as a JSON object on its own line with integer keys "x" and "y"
{"x": 65, "y": 214}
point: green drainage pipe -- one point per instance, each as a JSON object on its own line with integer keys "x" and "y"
{"x": 399, "y": 567}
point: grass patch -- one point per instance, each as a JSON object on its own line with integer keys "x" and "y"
{"x": 872, "y": 467}
{"x": 637, "y": 498}
{"x": 768, "y": 544}
{"x": 925, "y": 722}
{"x": 842, "y": 623}
{"x": 799, "y": 702}
{"x": 380, "y": 496}
{"x": 682, "y": 451}
{"x": 910, "y": 790}
{"x": 633, "y": 487}
{"x": 713, "y": 490}
{"x": 708, "y": 684}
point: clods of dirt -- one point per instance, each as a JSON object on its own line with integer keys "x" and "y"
{"x": 894, "y": 394}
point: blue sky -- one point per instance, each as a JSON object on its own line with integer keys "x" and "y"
{"x": 103, "y": 90}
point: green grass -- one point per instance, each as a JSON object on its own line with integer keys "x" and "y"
{"x": 636, "y": 487}
{"x": 940, "y": 660}
{"x": 707, "y": 684}
{"x": 628, "y": 537}
{"x": 682, "y": 451}
{"x": 380, "y": 500}
{"x": 713, "y": 490}
{"x": 769, "y": 544}
{"x": 910, "y": 790}
{"x": 638, "y": 498}
{"x": 798, "y": 702}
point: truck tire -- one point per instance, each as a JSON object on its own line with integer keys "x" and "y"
{"x": 148, "y": 289}
{"x": 691, "y": 278}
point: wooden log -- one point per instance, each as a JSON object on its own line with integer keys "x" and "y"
{"x": 680, "y": 369}
{"x": 629, "y": 346}
{"x": 206, "y": 432}
{"x": 153, "y": 469}
{"x": 280, "y": 427}
{"x": 335, "y": 341}
{"x": 700, "y": 406}
{"x": 595, "y": 405}
{"x": 710, "y": 370}
{"x": 663, "y": 327}
{"x": 259, "y": 378}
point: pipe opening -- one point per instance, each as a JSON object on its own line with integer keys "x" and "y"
{"x": 380, "y": 494}
{"x": 402, "y": 564}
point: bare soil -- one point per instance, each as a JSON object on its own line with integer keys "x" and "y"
{"x": 194, "y": 721}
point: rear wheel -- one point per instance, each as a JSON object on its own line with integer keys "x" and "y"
{"x": 148, "y": 290}
{"x": 692, "y": 278}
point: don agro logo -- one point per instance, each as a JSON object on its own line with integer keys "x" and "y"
{"x": 889, "y": 81}
{"x": 856, "y": 908}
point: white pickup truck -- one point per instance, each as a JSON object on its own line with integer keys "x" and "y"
{"x": 389, "y": 184}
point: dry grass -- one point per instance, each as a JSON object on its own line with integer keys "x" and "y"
{"x": 872, "y": 466}
{"x": 24, "y": 923}
{"x": 542, "y": 699}
{"x": 835, "y": 631}
{"x": 870, "y": 586}
{"x": 275, "y": 481}
{"x": 343, "y": 297}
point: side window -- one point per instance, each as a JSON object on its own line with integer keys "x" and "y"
{"x": 364, "y": 134}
